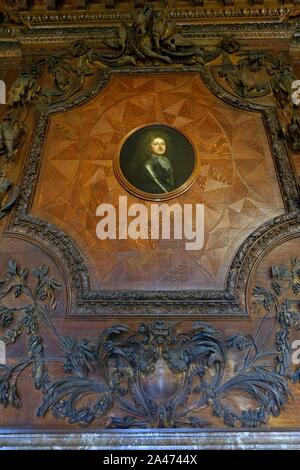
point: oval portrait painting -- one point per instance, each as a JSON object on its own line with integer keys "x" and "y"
{"x": 156, "y": 162}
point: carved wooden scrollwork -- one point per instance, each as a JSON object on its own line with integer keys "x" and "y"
{"x": 256, "y": 74}
{"x": 120, "y": 371}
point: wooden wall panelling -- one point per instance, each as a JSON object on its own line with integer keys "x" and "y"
{"x": 232, "y": 372}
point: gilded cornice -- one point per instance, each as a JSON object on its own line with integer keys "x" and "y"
{"x": 86, "y": 12}
{"x": 43, "y": 40}
{"x": 43, "y": 25}
{"x": 185, "y": 15}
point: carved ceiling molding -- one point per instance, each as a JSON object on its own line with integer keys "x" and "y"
{"x": 85, "y": 11}
{"x": 295, "y": 45}
{"x": 229, "y": 14}
{"x": 214, "y": 31}
{"x": 10, "y": 49}
{"x": 16, "y": 41}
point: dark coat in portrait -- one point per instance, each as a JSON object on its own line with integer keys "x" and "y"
{"x": 156, "y": 160}
{"x": 156, "y": 175}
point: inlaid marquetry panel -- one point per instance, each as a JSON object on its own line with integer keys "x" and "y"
{"x": 237, "y": 181}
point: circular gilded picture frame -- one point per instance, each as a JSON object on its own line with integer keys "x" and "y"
{"x": 156, "y": 162}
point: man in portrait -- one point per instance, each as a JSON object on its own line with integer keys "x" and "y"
{"x": 155, "y": 160}
{"x": 155, "y": 174}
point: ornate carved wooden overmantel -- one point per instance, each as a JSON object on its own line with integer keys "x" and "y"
{"x": 106, "y": 340}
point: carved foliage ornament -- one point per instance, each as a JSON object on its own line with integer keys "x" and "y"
{"x": 68, "y": 75}
{"x": 152, "y": 40}
{"x": 257, "y": 74}
{"x": 197, "y": 370}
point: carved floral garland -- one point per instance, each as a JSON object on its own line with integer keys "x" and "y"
{"x": 115, "y": 370}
